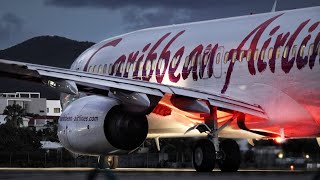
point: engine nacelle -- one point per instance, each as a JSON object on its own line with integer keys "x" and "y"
{"x": 99, "y": 125}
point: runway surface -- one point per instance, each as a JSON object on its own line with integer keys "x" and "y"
{"x": 152, "y": 174}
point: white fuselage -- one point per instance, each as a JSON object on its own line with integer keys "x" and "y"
{"x": 271, "y": 60}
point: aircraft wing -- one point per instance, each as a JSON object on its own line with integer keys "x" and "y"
{"x": 64, "y": 79}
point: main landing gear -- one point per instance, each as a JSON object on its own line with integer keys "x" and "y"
{"x": 208, "y": 152}
{"x": 205, "y": 156}
{"x": 110, "y": 162}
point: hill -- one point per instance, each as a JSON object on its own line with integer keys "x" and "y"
{"x": 46, "y": 50}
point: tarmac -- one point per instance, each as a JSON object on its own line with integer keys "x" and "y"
{"x": 150, "y": 173}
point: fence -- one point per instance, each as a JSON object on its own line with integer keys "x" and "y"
{"x": 36, "y": 159}
{"x": 63, "y": 158}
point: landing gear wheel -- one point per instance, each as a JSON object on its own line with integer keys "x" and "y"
{"x": 231, "y": 156}
{"x": 108, "y": 162}
{"x": 204, "y": 156}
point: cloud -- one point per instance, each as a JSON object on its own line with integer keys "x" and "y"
{"x": 184, "y": 4}
{"x": 153, "y": 17}
{"x": 114, "y": 4}
{"x": 10, "y": 24}
{"x": 147, "y": 13}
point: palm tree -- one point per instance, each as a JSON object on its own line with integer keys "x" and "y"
{"x": 14, "y": 115}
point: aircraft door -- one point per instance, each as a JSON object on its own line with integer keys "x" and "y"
{"x": 203, "y": 63}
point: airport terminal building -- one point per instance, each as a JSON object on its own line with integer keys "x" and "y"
{"x": 39, "y": 110}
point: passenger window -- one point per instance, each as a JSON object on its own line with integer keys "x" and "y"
{"x": 206, "y": 59}
{"x": 173, "y": 65}
{"x": 270, "y": 53}
{"x": 226, "y": 56}
{"x": 262, "y": 53}
{"x": 241, "y": 55}
{"x": 100, "y": 69}
{"x": 121, "y": 67}
{"x": 285, "y": 52}
{"x": 160, "y": 63}
{"x": 141, "y": 66}
{"x": 110, "y": 69}
{"x": 234, "y": 55}
{"x": 256, "y": 52}
{"x": 248, "y": 55}
{"x": 319, "y": 49}
{"x": 148, "y": 65}
{"x": 302, "y": 50}
{"x": 105, "y": 69}
{"x": 199, "y": 60}
{"x": 294, "y": 50}
{"x": 186, "y": 63}
{"x": 94, "y": 69}
{"x": 193, "y": 60}
{"x": 218, "y": 58}
{"x": 134, "y": 66}
{"x": 128, "y": 66}
{"x": 311, "y": 49}
{"x": 154, "y": 64}
{"x": 115, "y": 67}
{"x": 278, "y": 52}
{"x": 90, "y": 69}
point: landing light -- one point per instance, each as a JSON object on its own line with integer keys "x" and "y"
{"x": 52, "y": 83}
{"x": 292, "y": 167}
{"x": 307, "y": 156}
{"x": 278, "y": 140}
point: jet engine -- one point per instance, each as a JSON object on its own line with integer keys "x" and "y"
{"x": 100, "y": 125}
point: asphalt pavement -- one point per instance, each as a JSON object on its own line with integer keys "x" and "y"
{"x": 152, "y": 174}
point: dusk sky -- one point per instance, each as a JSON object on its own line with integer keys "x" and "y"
{"x": 96, "y": 20}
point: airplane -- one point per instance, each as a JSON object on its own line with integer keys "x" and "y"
{"x": 253, "y": 77}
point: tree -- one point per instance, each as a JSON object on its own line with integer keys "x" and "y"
{"x": 15, "y": 114}
{"x": 50, "y": 132}
{"x": 14, "y": 139}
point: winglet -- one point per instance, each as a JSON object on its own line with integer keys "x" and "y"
{"x": 274, "y": 6}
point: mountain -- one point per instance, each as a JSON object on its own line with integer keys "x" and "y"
{"x": 46, "y": 50}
